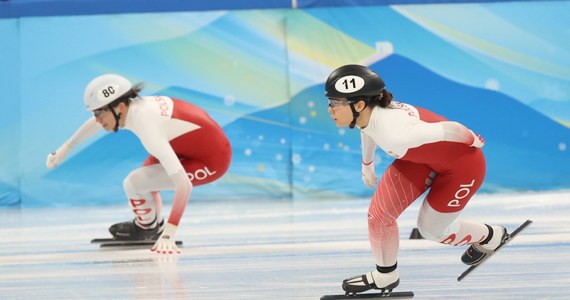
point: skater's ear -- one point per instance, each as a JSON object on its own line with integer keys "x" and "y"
{"x": 360, "y": 104}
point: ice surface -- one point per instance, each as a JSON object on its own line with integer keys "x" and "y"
{"x": 278, "y": 250}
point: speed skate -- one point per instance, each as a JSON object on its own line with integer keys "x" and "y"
{"x": 110, "y": 242}
{"x": 382, "y": 295}
{"x": 509, "y": 239}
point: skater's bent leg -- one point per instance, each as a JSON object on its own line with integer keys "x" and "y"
{"x": 400, "y": 185}
{"x": 451, "y": 191}
{"x": 446, "y": 228}
{"x": 141, "y": 187}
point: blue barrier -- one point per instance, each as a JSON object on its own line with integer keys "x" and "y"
{"x": 28, "y": 8}
{"x": 23, "y": 8}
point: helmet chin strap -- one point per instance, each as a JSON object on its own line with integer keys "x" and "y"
{"x": 117, "y": 117}
{"x": 355, "y": 114}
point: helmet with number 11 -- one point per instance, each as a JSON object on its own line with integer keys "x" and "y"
{"x": 354, "y": 83}
{"x": 351, "y": 81}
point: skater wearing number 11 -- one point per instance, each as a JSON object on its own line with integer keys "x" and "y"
{"x": 187, "y": 149}
{"x": 431, "y": 153}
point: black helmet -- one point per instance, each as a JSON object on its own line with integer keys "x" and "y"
{"x": 353, "y": 80}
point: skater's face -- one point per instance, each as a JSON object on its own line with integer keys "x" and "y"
{"x": 340, "y": 112}
{"x": 105, "y": 117}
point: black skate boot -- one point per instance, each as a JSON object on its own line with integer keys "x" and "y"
{"x": 130, "y": 231}
{"x": 477, "y": 252}
{"x": 384, "y": 281}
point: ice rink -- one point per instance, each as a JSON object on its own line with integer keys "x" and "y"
{"x": 278, "y": 250}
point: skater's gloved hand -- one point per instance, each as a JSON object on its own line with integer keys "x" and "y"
{"x": 478, "y": 141}
{"x": 57, "y": 156}
{"x": 368, "y": 174}
{"x": 166, "y": 243}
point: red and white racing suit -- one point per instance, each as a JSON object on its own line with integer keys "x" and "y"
{"x": 431, "y": 153}
{"x": 180, "y": 138}
{"x": 187, "y": 148}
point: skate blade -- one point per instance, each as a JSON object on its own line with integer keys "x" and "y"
{"x": 108, "y": 242}
{"x": 487, "y": 257}
{"x": 391, "y": 295}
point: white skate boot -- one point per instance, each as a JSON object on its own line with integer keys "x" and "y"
{"x": 477, "y": 252}
{"x": 371, "y": 280}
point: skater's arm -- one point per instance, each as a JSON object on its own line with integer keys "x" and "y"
{"x": 446, "y": 131}
{"x": 87, "y": 130}
{"x": 368, "y": 149}
{"x": 157, "y": 144}
{"x": 159, "y": 147}
{"x": 166, "y": 243}
{"x": 182, "y": 190}
{"x": 456, "y": 132}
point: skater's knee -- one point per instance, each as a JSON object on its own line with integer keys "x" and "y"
{"x": 379, "y": 218}
{"x": 129, "y": 183}
{"x": 381, "y": 224}
{"x": 429, "y": 232}
{"x": 434, "y": 225}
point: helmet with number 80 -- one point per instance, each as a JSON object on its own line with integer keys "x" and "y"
{"x": 351, "y": 81}
{"x": 105, "y": 89}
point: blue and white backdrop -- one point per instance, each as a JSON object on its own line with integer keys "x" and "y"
{"x": 503, "y": 69}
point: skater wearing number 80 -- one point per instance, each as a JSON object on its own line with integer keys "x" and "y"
{"x": 187, "y": 148}
{"x": 430, "y": 153}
